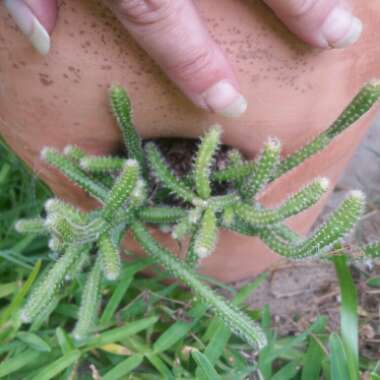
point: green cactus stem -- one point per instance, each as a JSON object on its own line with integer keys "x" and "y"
{"x": 74, "y": 153}
{"x": 56, "y": 244}
{"x": 285, "y": 233}
{"x": 296, "y": 203}
{"x": 89, "y": 304}
{"x": 372, "y": 250}
{"x": 60, "y": 227}
{"x": 31, "y": 226}
{"x": 139, "y": 195}
{"x": 265, "y": 164}
{"x": 339, "y": 224}
{"x": 121, "y": 107}
{"x": 363, "y": 101}
{"x": 165, "y": 176}
{"x": 207, "y": 235}
{"x": 234, "y": 318}
{"x": 55, "y": 206}
{"x": 99, "y": 164}
{"x": 75, "y": 174}
{"x": 161, "y": 215}
{"x": 43, "y": 293}
{"x": 110, "y": 258}
{"x": 78, "y": 266}
{"x": 129, "y": 201}
{"x": 183, "y": 228}
{"x": 203, "y": 161}
{"x": 122, "y": 189}
{"x": 235, "y": 171}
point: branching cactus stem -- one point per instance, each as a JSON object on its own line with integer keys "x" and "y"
{"x": 296, "y": 203}
{"x": 129, "y": 200}
{"x": 234, "y": 318}
{"x": 204, "y": 160}
{"x": 89, "y": 304}
{"x": 122, "y": 189}
{"x": 110, "y": 258}
{"x": 43, "y": 293}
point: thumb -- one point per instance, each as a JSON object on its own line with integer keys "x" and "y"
{"x": 321, "y": 23}
{"x": 35, "y": 19}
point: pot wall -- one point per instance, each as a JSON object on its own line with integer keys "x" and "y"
{"x": 293, "y": 91}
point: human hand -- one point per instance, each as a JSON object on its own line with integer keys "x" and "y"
{"x": 173, "y": 33}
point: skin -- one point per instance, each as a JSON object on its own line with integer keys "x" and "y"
{"x": 293, "y": 92}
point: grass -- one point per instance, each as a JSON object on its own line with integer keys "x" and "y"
{"x": 149, "y": 329}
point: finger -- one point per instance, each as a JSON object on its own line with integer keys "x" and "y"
{"x": 322, "y": 23}
{"x": 36, "y": 19}
{"x": 173, "y": 34}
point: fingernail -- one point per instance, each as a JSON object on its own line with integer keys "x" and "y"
{"x": 341, "y": 28}
{"x": 29, "y": 25}
{"x": 224, "y": 99}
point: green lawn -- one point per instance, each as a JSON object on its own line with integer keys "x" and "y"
{"x": 148, "y": 330}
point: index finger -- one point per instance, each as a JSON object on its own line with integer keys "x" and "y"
{"x": 173, "y": 34}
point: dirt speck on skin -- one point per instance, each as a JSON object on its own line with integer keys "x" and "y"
{"x": 45, "y": 79}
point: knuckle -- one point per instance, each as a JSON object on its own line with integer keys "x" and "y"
{"x": 148, "y": 12}
{"x": 298, "y": 8}
{"x": 195, "y": 63}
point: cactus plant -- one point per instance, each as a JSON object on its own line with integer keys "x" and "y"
{"x": 129, "y": 204}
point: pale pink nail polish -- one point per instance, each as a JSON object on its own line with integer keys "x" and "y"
{"x": 341, "y": 28}
{"x": 223, "y": 98}
{"x": 29, "y": 25}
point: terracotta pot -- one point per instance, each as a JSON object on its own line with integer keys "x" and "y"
{"x": 294, "y": 92}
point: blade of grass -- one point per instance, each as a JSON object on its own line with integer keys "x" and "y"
{"x": 13, "y": 364}
{"x": 123, "y": 368}
{"x": 217, "y": 333}
{"x": 179, "y": 329}
{"x": 172, "y": 335}
{"x": 116, "y": 349}
{"x": 59, "y": 365}
{"x": 33, "y": 341}
{"x": 118, "y": 334}
{"x": 12, "y": 346}
{"x": 339, "y": 366}
{"x": 238, "y": 299}
{"x": 161, "y": 367}
{"x": 312, "y": 362}
{"x": 8, "y": 289}
{"x": 67, "y": 310}
{"x": 349, "y": 315}
{"x": 375, "y": 372}
{"x": 64, "y": 340}
{"x": 291, "y": 343}
{"x": 4, "y": 172}
{"x": 137, "y": 345}
{"x": 265, "y": 362}
{"x": 288, "y": 371}
{"x": 120, "y": 290}
{"x": 20, "y": 296}
{"x": 206, "y": 368}
{"x": 374, "y": 282}
{"x": 44, "y": 315}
